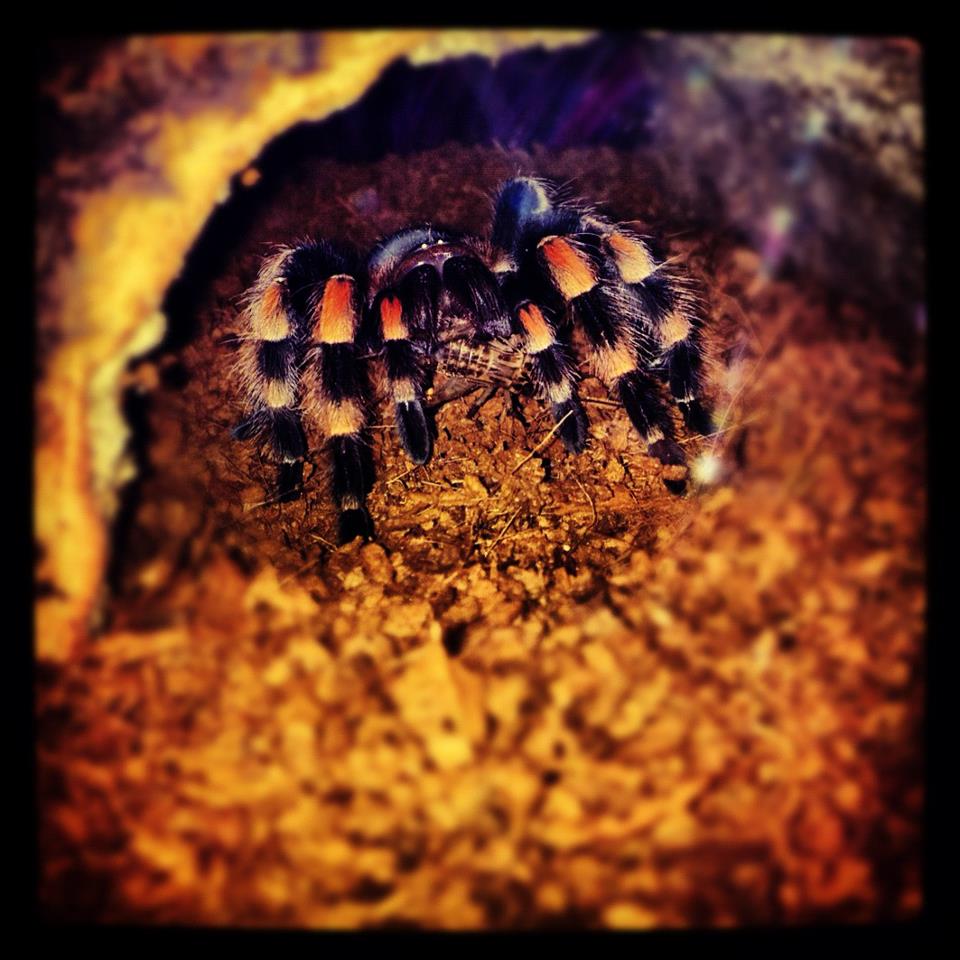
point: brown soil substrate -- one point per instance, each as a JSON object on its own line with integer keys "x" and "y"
{"x": 550, "y": 692}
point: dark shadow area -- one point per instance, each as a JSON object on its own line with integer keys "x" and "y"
{"x": 587, "y": 95}
{"x": 136, "y": 413}
{"x": 596, "y": 94}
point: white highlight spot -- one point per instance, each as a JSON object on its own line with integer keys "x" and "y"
{"x": 707, "y": 469}
{"x": 543, "y": 203}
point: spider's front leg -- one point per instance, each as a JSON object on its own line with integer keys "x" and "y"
{"x": 553, "y": 368}
{"x": 405, "y": 365}
{"x": 419, "y": 278}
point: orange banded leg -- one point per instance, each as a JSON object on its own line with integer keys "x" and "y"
{"x": 404, "y": 376}
{"x": 668, "y": 317}
{"x": 555, "y": 375}
{"x": 336, "y": 403}
{"x": 617, "y": 367}
{"x": 682, "y": 359}
{"x": 269, "y": 363}
{"x": 573, "y": 275}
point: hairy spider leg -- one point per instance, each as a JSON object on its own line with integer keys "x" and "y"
{"x": 613, "y": 341}
{"x": 336, "y": 400}
{"x": 552, "y": 366}
{"x": 269, "y": 363}
{"x": 398, "y": 313}
{"x": 525, "y": 210}
{"x": 666, "y": 311}
{"x": 524, "y": 213}
{"x": 555, "y": 375}
{"x": 419, "y": 275}
{"x": 404, "y": 322}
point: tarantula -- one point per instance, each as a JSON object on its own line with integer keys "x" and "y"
{"x": 428, "y": 297}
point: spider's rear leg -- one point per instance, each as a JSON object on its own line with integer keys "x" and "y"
{"x": 336, "y": 400}
{"x": 615, "y": 355}
{"x": 668, "y": 314}
{"x": 617, "y": 366}
{"x": 269, "y": 363}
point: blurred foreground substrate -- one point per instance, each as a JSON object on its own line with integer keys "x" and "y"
{"x": 547, "y": 695}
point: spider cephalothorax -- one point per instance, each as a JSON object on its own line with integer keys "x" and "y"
{"x": 428, "y": 298}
